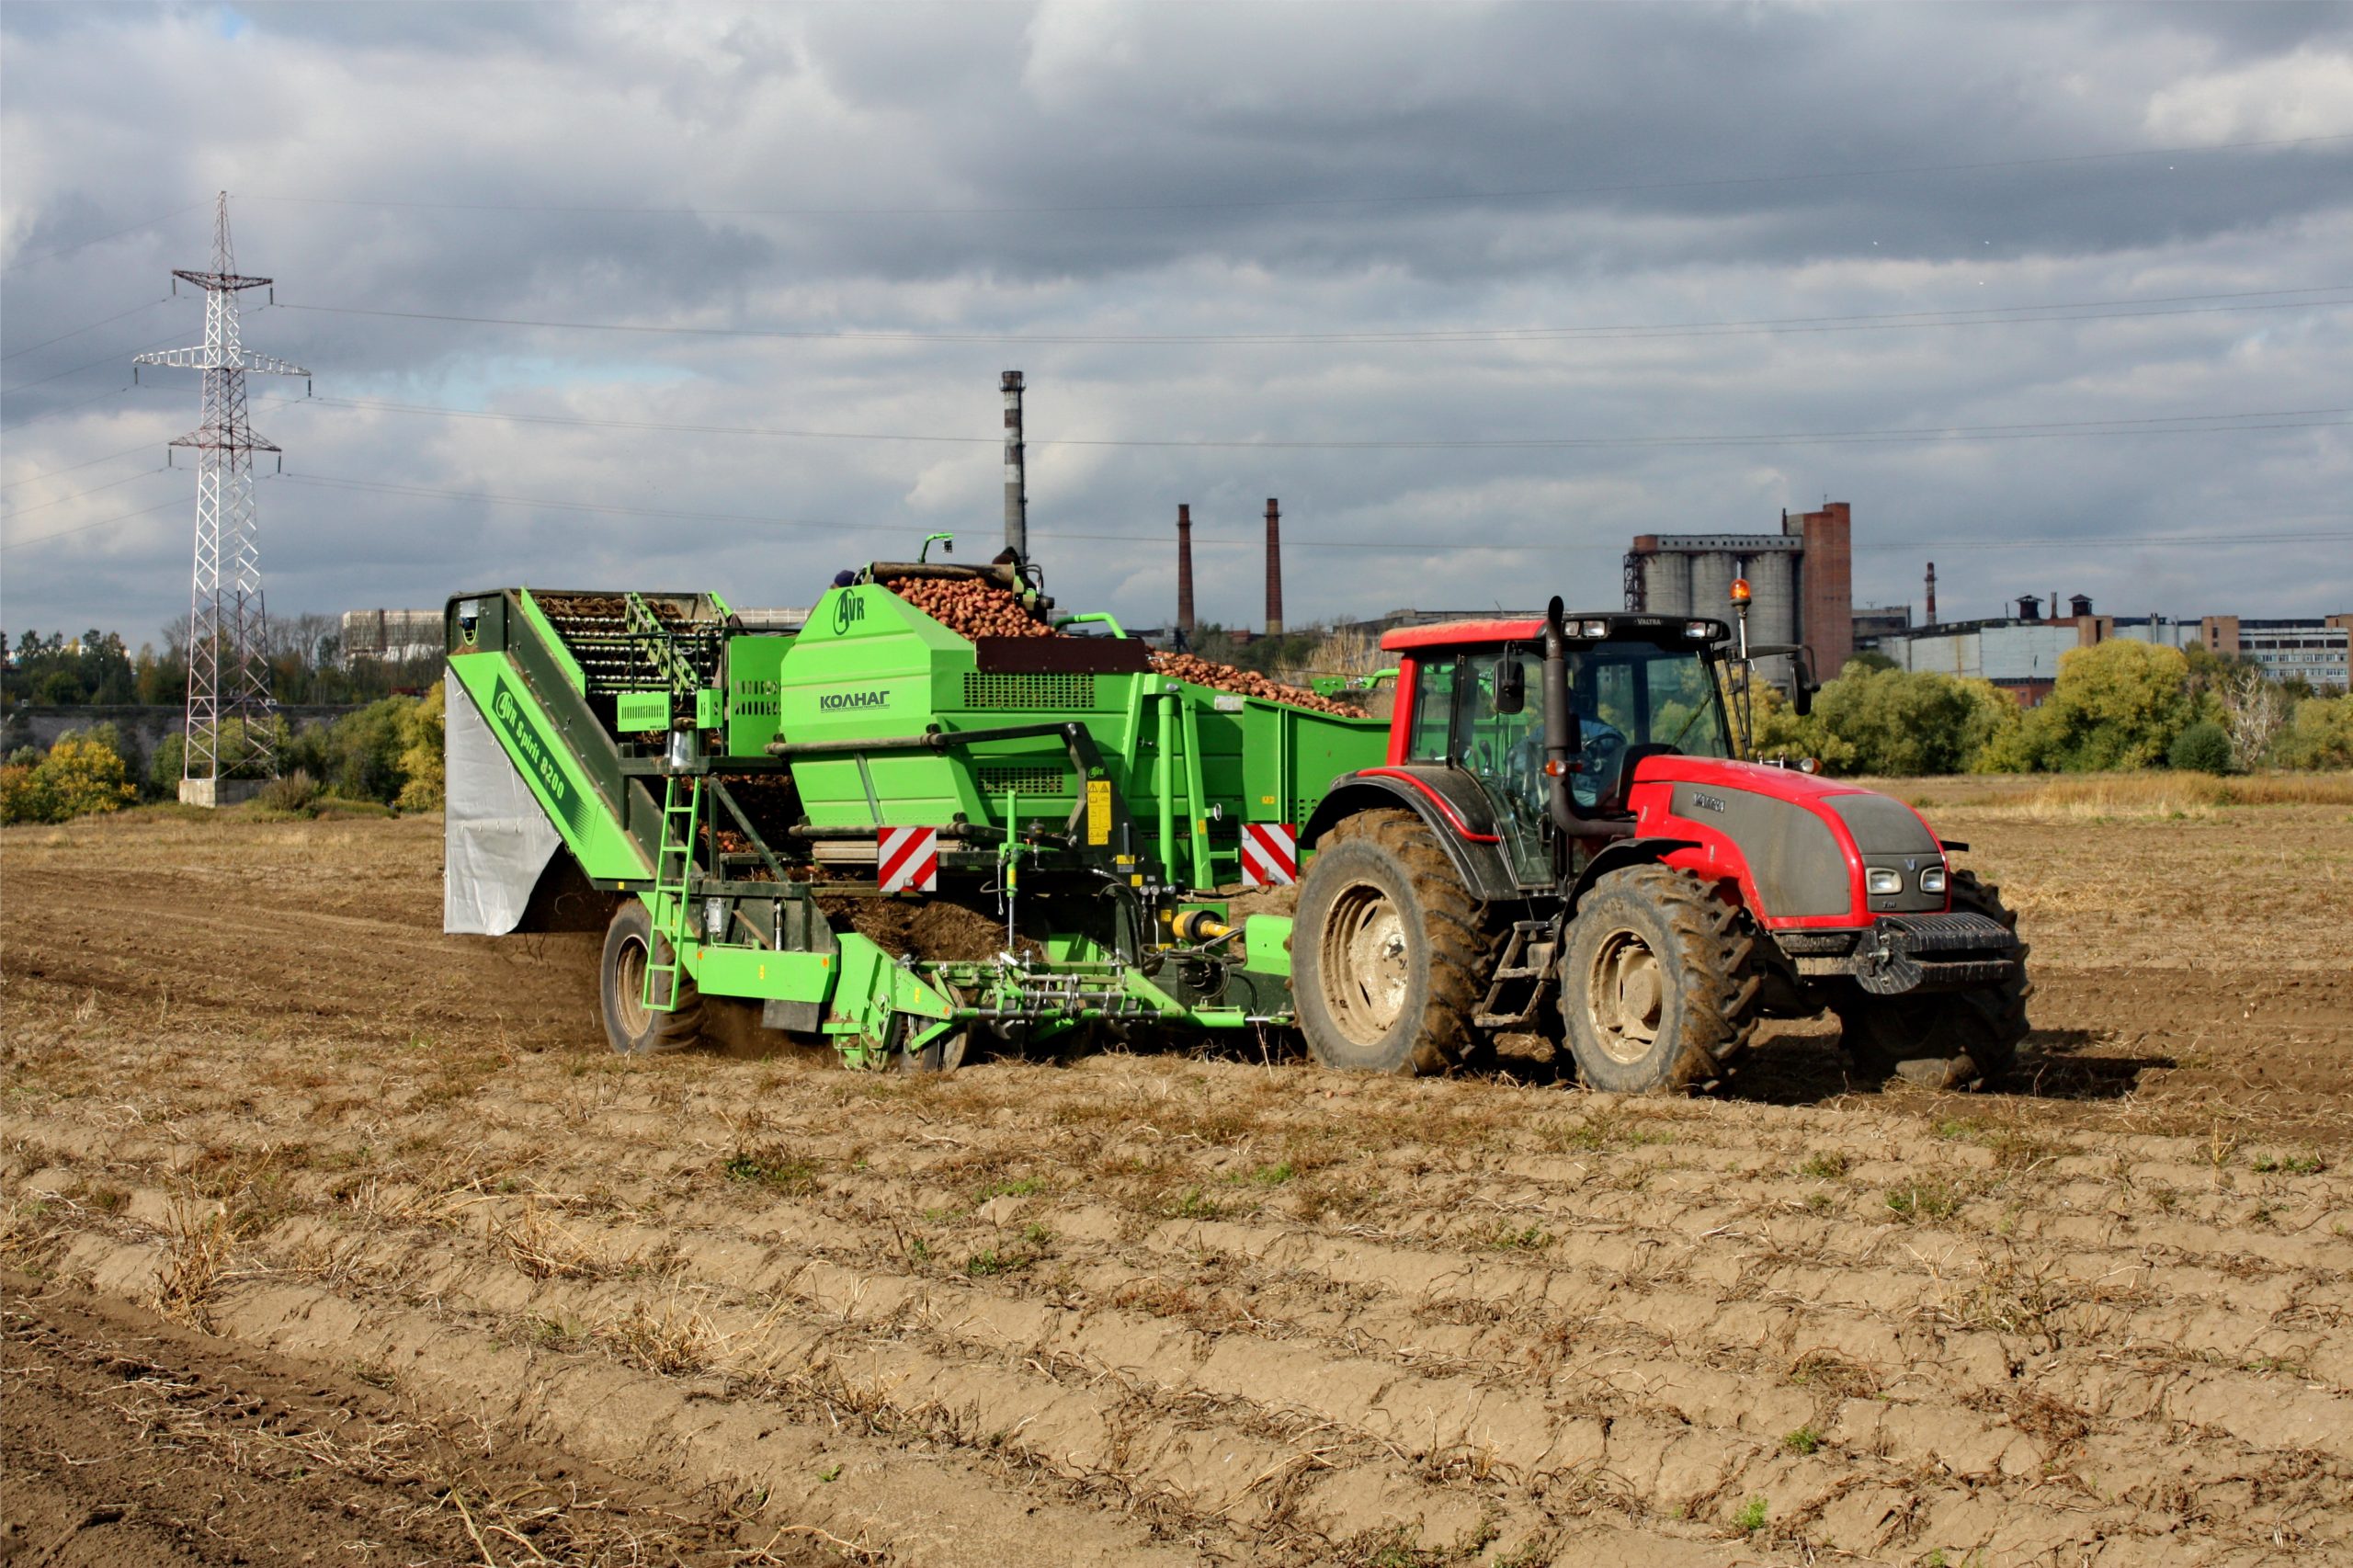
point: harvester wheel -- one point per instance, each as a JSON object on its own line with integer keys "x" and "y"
{"x": 631, "y": 1026}
{"x": 1946, "y": 1040}
{"x": 943, "y": 1054}
{"x": 1387, "y": 960}
{"x": 1658, "y": 981}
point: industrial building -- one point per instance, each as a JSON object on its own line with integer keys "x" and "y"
{"x": 390, "y": 636}
{"x": 2312, "y": 649}
{"x": 1872, "y": 623}
{"x": 1801, "y": 584}
{"x": 2020, "y": 652}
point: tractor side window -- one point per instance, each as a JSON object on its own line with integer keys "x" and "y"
{"x": 1431, "y": 736}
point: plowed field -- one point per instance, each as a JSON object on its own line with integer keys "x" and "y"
{"x": 1158, "y": 1308}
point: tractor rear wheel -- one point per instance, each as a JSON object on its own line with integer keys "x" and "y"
{"x": 1658, "y": 981}
{"x": 1387, "y": 958}
{"x": 1945, "y": 1040}
{"x": 632, "y": 1028}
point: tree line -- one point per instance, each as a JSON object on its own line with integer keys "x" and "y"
{"x": 99, "y": 669}
{"x": 2116, "y": 705}
{"x": 2119, "y": 705}
{"x": 386, "y": 754}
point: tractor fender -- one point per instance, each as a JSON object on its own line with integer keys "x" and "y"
{"x": 1618, "y": 855}
{"x": 1456, "y": 814}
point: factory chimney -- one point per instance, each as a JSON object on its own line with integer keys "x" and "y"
{"x": 1017, "y": 484}
{"x": 1274, "y": 569}
{"x": 1184, "y": 571}
{"x": 1932, "y": 594}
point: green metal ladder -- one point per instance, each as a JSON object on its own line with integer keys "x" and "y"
{"x": 659, "y": 649}
{"x": 674, "y": 865}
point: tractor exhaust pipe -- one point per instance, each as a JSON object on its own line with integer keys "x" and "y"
{"x": 1562, "y": 741}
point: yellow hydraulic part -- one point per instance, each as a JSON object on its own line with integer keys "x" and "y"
{"x": 1198, "y": 925}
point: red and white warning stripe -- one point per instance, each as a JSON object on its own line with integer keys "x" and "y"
{"x": 908, "y": 859}
{"x": 1269, "y": 854}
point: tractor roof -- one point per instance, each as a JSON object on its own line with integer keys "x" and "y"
{"x": 1475, "y": 633}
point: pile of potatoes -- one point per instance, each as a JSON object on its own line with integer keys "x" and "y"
{"x": 973, "y": 608}
{"x": 1249, "y": 682}
{"x": 968, "y": 608}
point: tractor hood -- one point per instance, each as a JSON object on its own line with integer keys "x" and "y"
{"x": 1804, "y": 848}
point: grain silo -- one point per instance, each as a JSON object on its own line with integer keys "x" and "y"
{"x": 1799, "y": 581}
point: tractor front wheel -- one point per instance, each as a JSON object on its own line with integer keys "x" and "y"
{"x": 632, "y": 1028}
{"x": 1658, "y": 984}
{"x": 1387, "y": 958}
{"x": 1951, "y": 1039}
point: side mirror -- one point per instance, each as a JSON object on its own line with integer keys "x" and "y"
{"x": 1511, "y": 687}
{"x": 1801, "y": 697}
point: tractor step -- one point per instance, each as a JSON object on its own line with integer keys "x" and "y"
{"x": 1526, "y": 968}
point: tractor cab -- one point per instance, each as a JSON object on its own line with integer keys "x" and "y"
{"x": 1472, "y": 701}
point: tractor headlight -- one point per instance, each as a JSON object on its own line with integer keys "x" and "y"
{"x": 1594, "y": 628}
{"x": 1933, "y": 880}
{"x": 1883, "y": 881}
{"x": 715, "y": 919}
{"x": 1704, "y": 630}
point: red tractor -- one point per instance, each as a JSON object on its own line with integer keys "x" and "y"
{"x": 1564, "y": 839}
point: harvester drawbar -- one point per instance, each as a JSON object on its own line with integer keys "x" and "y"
{"x": 923, "y": 818}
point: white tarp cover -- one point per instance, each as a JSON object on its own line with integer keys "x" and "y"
{"x": 496, "y": 840}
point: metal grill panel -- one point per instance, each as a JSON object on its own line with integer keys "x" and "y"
{"x": 996, "y": 779}
{"x": 1047, "y": 692}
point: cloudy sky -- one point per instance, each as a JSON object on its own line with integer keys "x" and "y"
{"x": 2060, "y": 297}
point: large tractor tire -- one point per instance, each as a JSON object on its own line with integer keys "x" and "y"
{"x": 1658, "y": 982}
{"x": 632, "y": 1028}
{"x": 1951, "y": 1039}
{"x": 1387, "y": 962}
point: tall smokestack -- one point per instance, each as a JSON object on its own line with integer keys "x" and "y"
{"x": 1017, "y": 482}
{"x": 1184, "y": 570}
{"x": 1932, "y": 594}
{"x": 1274, "y": 568}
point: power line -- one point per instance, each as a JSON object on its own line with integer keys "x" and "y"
{"x": 1889, "y": 321}
{"x": 67, "y": 408}
{"x": 92, "y": 463}
{"x": 78, "y": 331}
{"x": 610, "y": 508}
{"x": 86, "y": 527}
{"x": 1271, "y": 203}
{"x": 24, "y": 261}
{"x": 613, "y": 508}
{"x": 60, "y": 501}
{"x": 115, "y": 357}
{"x": 2179, "y": 424}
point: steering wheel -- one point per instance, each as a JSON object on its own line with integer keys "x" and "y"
{"x": 1604, "y": 751}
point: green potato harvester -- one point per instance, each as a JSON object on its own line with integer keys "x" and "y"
{"x": 868, "y": 827}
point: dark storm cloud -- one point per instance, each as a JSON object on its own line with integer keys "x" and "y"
{"x": 1079, "y": 170}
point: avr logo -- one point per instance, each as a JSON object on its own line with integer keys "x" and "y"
{"x": 848, "y": 610}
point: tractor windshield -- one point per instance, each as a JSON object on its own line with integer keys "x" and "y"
{"x": 1644, "y": 695}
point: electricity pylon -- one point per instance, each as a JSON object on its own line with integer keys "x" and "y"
{"x": 228, "y": 631}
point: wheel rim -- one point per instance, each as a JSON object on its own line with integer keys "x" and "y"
{"x": 1367, "y": 964}
{"x": 1625, "y": 998}
{"x": 629, "y": 988}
